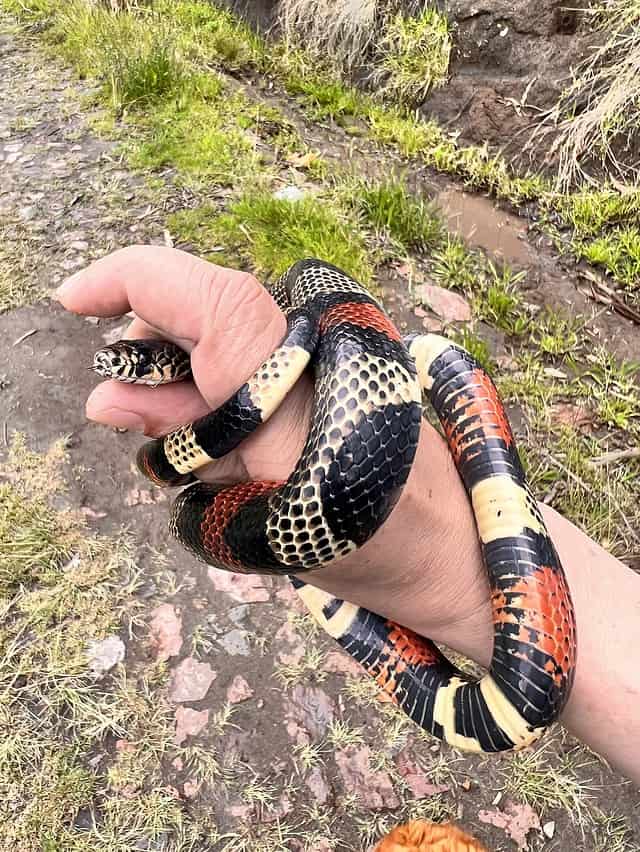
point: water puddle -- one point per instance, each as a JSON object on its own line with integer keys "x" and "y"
{"x": 482, "y": 225}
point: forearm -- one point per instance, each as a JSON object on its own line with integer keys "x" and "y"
{"x": 604, "y": 707}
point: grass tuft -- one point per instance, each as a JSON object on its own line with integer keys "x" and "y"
{"x": 546, "y": 784}
{"x": 135, "y": 56}
{"x": 396, "y": 214}
{"x": 413, "y": 56}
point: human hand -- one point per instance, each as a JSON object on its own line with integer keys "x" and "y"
{"x": 423, "y": 568}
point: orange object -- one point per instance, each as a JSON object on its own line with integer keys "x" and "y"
{"x": 421, "y": 836}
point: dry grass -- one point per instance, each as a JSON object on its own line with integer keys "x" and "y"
{"x": 407, "y": 46}
{"x": 598, "y": 115}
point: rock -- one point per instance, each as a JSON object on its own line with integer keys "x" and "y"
{"x": 144, "y": 497}
{"x": 278, "y": 811}
{"x": 239, "y": 690}
{"x": 415, "y": 778}
{"x": 311, "y": 708}
{"x": 190, "y": 680}
{"x": 166, "y": 631}
{"x": 341, "y": 663}
{"x": 289, "y": 193}
{"x": 236, "y": 643}
{"x": 115, "y": 334}
{"x": 373, "y": 788}
{"x": 191, "y": 788}
{"x": 287, "y": 635}
{"x": 238, "y": 614}
{"x": 244, "y": 588}
{"x": 516, "y": 820}
{"x": 317, "y": 784}
{"x": 105, "y": 654}
{"x": 189, "y": 723}
{"x": 240, "y": 811}
{"x": 445, "y": 303}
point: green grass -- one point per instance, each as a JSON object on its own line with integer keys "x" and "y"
{"x": 396, "y": 214}
{"x": 613, "y": 386}
{"x": 498, "y": 302}
{"x": 455, "y": 266}
{"x": 412, "y": 56}
{"x": 271, "y": 234}
{"x": 545, "y": 784}
{"x": 135, "y": 56}
{"x": 143, "y": 55}
{"x": 618, "y": 252}
{"x": 211, "y": 35}
{"x": 200, "y": 132}
{"x": 556, "y": 334}
{"x": 475, "y": 346}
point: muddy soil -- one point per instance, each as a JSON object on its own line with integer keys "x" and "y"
{"x": 511, "y": 60}
{"x": 44, "y": 353}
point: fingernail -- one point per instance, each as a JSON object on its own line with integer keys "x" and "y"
{"x": 66, "y": 286}
{"x": 120, "y": 419}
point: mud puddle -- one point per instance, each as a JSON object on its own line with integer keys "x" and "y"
{"x": 481, "y": 224}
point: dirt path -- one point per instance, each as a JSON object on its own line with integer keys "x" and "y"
{"x": 295, "y": 760}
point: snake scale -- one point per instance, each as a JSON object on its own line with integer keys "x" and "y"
{"x": 366, "y": 422}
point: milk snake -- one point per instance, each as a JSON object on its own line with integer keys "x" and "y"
{"x": 365, "y": 427}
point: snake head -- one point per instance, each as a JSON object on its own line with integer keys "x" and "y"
{"x": 108, "y": 362}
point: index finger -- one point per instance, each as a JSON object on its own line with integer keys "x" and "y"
{"x": 165, "y": 287}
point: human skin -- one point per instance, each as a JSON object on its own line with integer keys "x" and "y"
{"x": 423, "y": 568}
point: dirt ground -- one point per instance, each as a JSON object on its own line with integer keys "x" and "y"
{"x": 66, "y": 198}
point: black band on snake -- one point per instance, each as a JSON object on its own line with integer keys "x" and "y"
{"x": 366, "y": 423}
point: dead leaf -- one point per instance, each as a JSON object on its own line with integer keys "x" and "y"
{"x": 88, "y": 512}
{"x": 189, "y": 723}
{"x": 445, "y": 303}
{"x": 516, "y": 820}
{"x": 554, "y": 373}
{"x": 245, "y": 588}
{"x": 165, "y": 628}
{"x": 372, "y": 787}
{"x": 190, "y": 680}
{"x": 239, "y": 690}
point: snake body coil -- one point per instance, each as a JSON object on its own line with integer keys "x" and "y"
{"x": 366, "y": 422}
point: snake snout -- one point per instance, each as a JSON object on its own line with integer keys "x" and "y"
{"x": 106, "y": 363}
